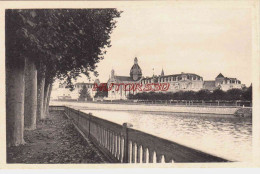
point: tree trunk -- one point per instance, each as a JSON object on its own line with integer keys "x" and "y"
{"x": 14, "y": 102}
{"x": 48, "y": 101}
{"x": 40, "y": 93}
{"x": 46, "y": 93}
{"x": 30, "y": 100}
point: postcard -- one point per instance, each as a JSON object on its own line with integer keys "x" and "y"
{"x": 132, "y": 84}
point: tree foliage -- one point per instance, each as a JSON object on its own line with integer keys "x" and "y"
{"x": 247, "y": 93}
{"x": 101, "y": 93}
{"x": 230, "y": 95}
{"x": 84, "y": 93}
{"x": 68, "y": 41}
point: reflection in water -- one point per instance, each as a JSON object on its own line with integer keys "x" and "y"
{"x": 224, "y": 136}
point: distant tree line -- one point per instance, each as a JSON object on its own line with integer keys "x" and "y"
{"x": 244, "y": 94}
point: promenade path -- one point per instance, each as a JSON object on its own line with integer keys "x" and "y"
{"x": 55, "y": 141}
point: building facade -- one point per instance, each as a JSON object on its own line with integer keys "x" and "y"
{"x": 174, "y": 83}
{"x": 120, "y": 87}
{"x": 62, "y": 93}
{"x": 223, "y": 83}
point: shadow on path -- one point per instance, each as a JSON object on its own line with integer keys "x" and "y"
{"x": 54, "y": 141}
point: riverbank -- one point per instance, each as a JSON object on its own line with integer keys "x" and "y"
{"x": 55, "y": 141}
{"x": 157, "y": 108}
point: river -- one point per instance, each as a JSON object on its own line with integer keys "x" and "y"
{"x": 225, "y": 136}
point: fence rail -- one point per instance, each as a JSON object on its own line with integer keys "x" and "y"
{"x": 123, "y": 144}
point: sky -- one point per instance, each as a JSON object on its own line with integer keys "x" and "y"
{"x": 204, "y": 41}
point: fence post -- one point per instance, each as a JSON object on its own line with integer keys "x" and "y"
{"x": 89, "y": 124}
{"x": 78, "y": 117}
{"x": 126, "y": 143}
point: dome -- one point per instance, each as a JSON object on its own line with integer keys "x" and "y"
{"x": 136, "y": 71}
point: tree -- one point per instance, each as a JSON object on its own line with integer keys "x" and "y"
{"x": 65, "y": 42}
{"x": 203, "y": 95}
{"x": 102, "y": 93}
{"x": 218, "y": 94}
{"x": 234, "y": 94}
{"x": 189, "y": 95}
{"x": 15, "y": 63}
{"x": 30, "y": 106}
{"x": 84, "y": 94}
{"x": 247, "y": 93}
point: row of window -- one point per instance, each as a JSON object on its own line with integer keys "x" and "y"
{"x": 231, "y": 82}
{"x": 170, "y": 79}
{"x": 81, "y": 86}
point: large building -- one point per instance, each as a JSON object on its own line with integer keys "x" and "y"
{"x": 62, "y": 93}
{"x": 119, "y": 87}
{"x": 223, "y": 83}
{"x": 175, "y": 82}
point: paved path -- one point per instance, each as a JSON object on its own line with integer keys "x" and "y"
{"x": 55, "y": 141}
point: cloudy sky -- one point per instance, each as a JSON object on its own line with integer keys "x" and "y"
{"x": 204, "y": 41}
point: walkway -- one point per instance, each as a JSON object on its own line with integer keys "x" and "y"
{"x": 55, "y": 141}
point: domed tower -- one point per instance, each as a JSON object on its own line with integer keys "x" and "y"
{"x": 136, "y": 71}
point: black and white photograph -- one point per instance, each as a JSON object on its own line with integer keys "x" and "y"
{"x": 130, "y": 83}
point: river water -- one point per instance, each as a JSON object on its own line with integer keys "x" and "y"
{"x": 221, "y": 135}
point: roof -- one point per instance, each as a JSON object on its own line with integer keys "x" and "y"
{"x": 162, "y": 73}
{"x": 175, "y": 75}
{"x": 123, "y": 78}
{"x": 84, "y": 83}
{"x": 220, "y": 76}
{"x": 136, "y": 66}
{"x": 210, "y": 85}
{"x": 230, "y": 78}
